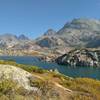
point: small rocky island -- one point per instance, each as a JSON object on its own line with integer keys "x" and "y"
{"x": 80, "y": 57}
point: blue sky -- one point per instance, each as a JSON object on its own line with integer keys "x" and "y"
{"x": 34, "y": 17}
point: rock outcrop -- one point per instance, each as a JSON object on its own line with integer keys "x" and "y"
{"x": 83, "y": 57}
{"x": 20, "y": 76}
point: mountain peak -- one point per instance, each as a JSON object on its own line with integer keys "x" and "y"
{"x": 50, "y": 32}
{"x": 86, "y": 20}
{"x": 23, "y": 37}
{"x": 84, "y": 23}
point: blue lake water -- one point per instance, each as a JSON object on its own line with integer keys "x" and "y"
{"x": 69, "y": 71}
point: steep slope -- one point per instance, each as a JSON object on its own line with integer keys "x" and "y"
{"x": 84, "y": 23}
{"x": 77, "y": 33}
{"x": 49, "y": 39}
{"x": 23, "y": 37}
{"x": 80, "y": 32}
{"x": 50, "y": 32}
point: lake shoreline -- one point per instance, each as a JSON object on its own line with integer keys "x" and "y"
{"x": 68, "y": 71}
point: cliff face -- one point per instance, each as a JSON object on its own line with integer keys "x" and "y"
{"x": 83, "y": 57}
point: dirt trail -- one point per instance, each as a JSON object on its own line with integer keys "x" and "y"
{"x": 60, "y": 86}
{"x": 55, "y": 83}
{"x": 37, "y": 76}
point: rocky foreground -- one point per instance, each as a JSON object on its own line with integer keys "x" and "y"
{"x": 21, "y": 82}
{"x": 18, "y": 84}
{"x": 20, "y": 76}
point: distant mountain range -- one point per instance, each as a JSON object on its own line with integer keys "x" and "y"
{"x": 9, "y": 40}
{"x": 77, "y": 33}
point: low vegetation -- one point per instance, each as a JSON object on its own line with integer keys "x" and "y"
{"x": 9, "y": 90}
{"x": 28, "y": 68}
{"x": 82, "y": 88}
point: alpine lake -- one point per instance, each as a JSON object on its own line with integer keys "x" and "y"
{"x": 88, "y": 72}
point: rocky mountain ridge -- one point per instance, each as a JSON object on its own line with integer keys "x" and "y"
{"x": 9, "y": 40}
{"x": 77, "y": 33}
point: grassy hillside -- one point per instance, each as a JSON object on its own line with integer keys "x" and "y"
{"x": 51, "y": 85}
